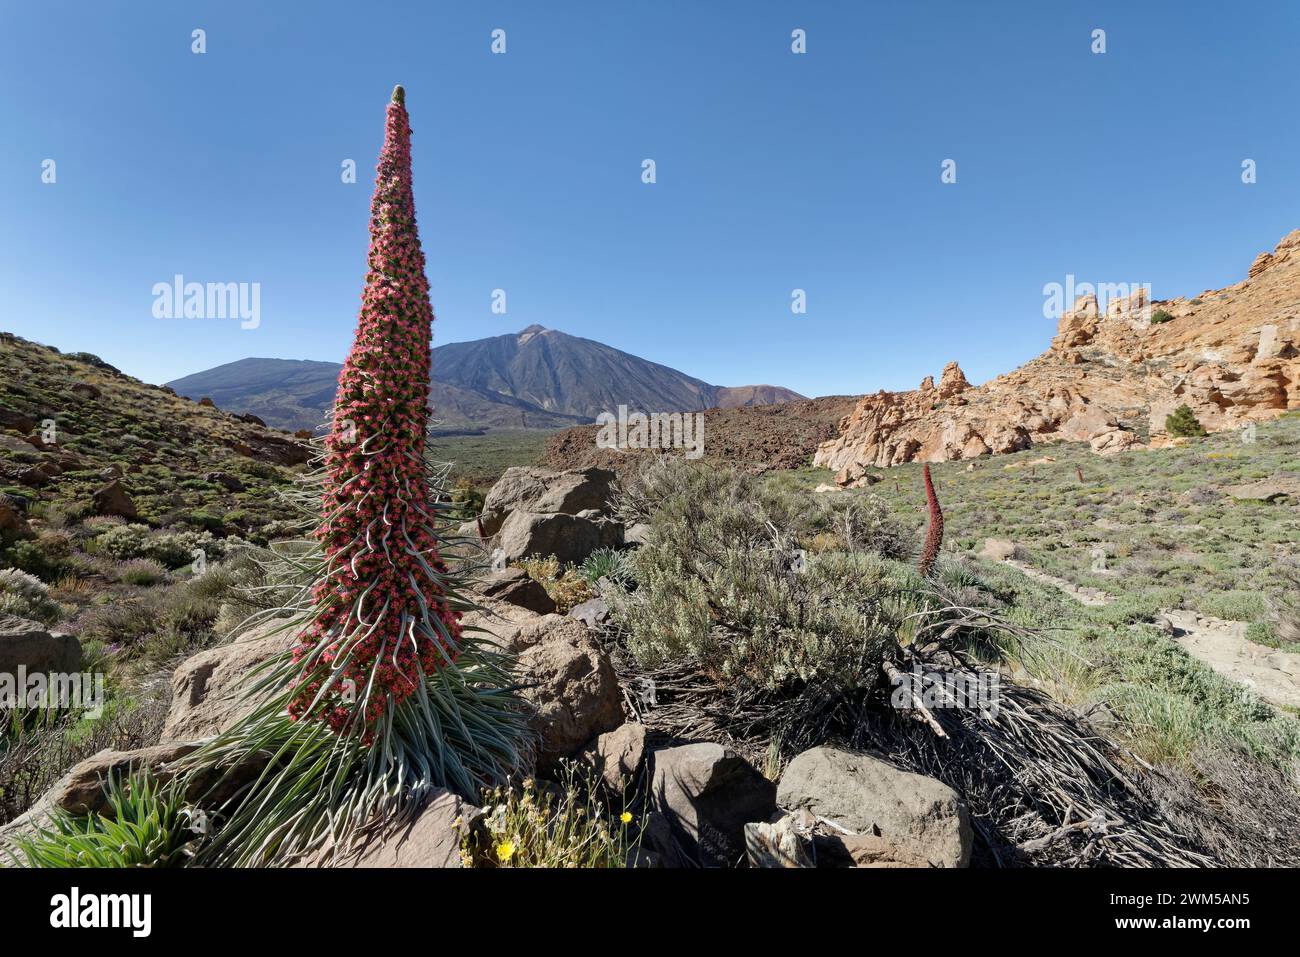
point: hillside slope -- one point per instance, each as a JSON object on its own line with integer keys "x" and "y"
{"x": 70, "y": 424}
{"x": 757, "y": 438}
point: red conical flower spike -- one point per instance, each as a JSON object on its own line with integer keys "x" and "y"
{"x": 382, "y": 622}
{"x": 933, "y": 534}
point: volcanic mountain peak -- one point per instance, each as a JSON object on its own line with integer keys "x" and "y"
{"x": 537, "y": 378}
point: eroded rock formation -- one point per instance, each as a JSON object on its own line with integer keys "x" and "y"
{"x": 1232, "y": 355}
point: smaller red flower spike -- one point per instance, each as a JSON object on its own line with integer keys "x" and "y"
{"x": 934, "y": 533}
{"x": 381, "y": 606}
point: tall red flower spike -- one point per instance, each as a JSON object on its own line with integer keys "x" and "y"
{"x": 382, "y": 619}
{"x": 934, "y": 533}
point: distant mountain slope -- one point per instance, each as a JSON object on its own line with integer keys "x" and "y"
{"x": 535, "y": 379}
{"x": 288, "y": 393}
{"x": 735, "y": 397}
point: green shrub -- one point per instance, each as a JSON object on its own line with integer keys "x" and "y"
{"x": 205, "y": 520}
{"x": 607, "y": 563}
{"x": 26, "y": 596}
{"x": 1182, "y": 423}
{"x": 48, "y": 557}
{"x": 724, "y": 578}
{"x": 467, "y": 498}
{"x": 122, "y": 541}
{"x": 33, "y": 756}
{"x": 565, "y": 584}
{"x": 143, "y": 572}
{"x": 171, "y": 549}
{"x": 1160, "y": 316}
{"x": 147, "y": 824}
{"x": 163, "y": 622}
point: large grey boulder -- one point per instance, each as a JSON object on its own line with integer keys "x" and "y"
{"x": 707, "y": 794}
{"x": 536, "y": 511}
{"x": 570, "y": 538}
{"x": 544, "y": 491}
{"x": 208, "y": 689}
{"x": 924, "y": 818}
{"x": 36, "y": 649}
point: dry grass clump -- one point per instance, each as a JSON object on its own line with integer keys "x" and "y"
{"x": 1246, "y": 812}
{"x": 36, "y": 753}
{"x": 557, "y": 826}
{"x": 566, "y": 584}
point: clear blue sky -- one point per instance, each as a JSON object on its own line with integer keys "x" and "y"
{"x": 775, "y": 171}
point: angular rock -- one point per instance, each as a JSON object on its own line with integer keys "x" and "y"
{"x": 36, "y": 649}
{"x": 863, "y": 850}
{"x": 952, "y": 381}
{"x": 32, "y": 477}
{"x": 13, "y": 444}
{"x": 617, "y": 756}
{"x": 13, "y": 524}
{"x": 80, "y": 791}
{"x": 230, "y": 483}
{"x": 1232, "y": 356}
{"x": 113, "y": 500}
{"x": 207, "y": 689}
{"x": 1266, "y": 490}
{"x": 777, "y": 843}
{"x": 573, "y": 688}
{"x": 18, "y": 421}
{"x": 569, "y": 538}
{"x": 593, "y": 613}
{"x": 512, "y": 627}
{"x": 432, "y": 838}
{"x": 1112, "y": 441}
{"x": 998, "y": 549}
{"x": 867, "y": 796}
{"x": 516, "y": 587}
{"x": 543, "y": 491}
{"x": 707, "y": 794}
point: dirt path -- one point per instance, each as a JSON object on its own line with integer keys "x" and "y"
{"x": 1272, "y": 674}
{"x": 1086, "y": 596}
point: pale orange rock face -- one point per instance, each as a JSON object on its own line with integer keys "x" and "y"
{"x": 1232, "y": 355}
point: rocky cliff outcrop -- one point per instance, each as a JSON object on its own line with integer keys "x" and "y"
{"x": 1110, "y": 379}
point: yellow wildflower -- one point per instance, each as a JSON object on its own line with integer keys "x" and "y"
{"x": 626, "y": 817}
{"x": 505, "y": 851}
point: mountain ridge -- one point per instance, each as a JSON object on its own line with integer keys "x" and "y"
{"x": 537, "y": 378}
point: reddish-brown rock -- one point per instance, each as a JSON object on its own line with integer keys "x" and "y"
{"x": 1231, "y": 355}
